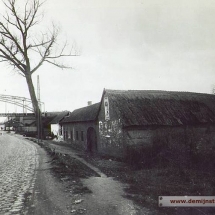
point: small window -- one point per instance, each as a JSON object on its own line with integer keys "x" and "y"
{"x": 82, "y": 136}
{"x": 66, "y": 135}
{"x": 76, "y": 135}
{"x": 71, "y": 133}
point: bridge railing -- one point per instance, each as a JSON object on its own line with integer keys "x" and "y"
{"x": 16, "y": 114}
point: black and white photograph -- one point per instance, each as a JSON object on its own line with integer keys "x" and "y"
{"x": 107, "y": 107}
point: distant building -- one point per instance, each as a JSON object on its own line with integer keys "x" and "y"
{"x": 2, "y": 126}
{"x": 56, "y": 128}
{"x": 81, "y": 127}
{"x": 27, "y": 123}
{"x": 135, "y": 119}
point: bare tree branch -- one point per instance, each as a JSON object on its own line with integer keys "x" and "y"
{"x": 22, "y": 48}
{"x": 6, "y": 33}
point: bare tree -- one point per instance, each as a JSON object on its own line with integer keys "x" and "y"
{"x": 22, "y": 48}
{"x": 213, "y": 89}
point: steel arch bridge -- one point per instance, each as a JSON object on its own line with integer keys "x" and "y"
{"x": 24, "y": 103}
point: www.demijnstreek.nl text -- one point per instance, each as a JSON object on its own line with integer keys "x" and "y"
{"x": 193, "y": 201}
{"x": 186, "y": 201}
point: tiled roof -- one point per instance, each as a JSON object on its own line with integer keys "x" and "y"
{"x": 88, "y": 113}
{"x": 59, "y": 117}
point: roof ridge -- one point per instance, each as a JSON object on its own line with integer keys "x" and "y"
{"x": 155, "y": 91}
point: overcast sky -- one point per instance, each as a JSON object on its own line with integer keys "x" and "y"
{"x": 125, "y": 44}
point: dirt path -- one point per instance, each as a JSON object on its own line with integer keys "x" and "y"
{"x": 53, "y": 196}
{"x": 107, "y": 193}
{"x": 48, "y": 196}
{"x": 72, "y": 153}
{"x": 107, "y": 196}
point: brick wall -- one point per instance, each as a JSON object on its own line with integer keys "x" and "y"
{"x": 76, "y": 133}
{"x": 179, "y": 145}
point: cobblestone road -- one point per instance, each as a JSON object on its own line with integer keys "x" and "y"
{"x": 18, "y": 161}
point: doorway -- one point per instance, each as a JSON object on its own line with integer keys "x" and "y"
{"x": 91, "y": 140}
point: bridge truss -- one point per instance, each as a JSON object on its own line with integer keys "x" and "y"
{"x": 22, "y": 102}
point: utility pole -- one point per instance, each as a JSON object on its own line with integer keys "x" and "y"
{"x": 39, "y": 121}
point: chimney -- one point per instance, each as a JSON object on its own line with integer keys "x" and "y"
{"x": 89, "y": 103}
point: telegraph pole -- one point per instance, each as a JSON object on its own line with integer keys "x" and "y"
{"x": 39, "y": 120}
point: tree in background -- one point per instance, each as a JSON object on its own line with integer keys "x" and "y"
{"x": 22, "y": 48}
{"x": 213, "y": 89}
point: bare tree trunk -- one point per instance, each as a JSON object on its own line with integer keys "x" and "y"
{"x": 32, "y": 93}
{"x": 35, "y": 105}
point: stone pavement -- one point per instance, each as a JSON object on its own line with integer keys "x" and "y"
{"x": 18, "y": 161}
